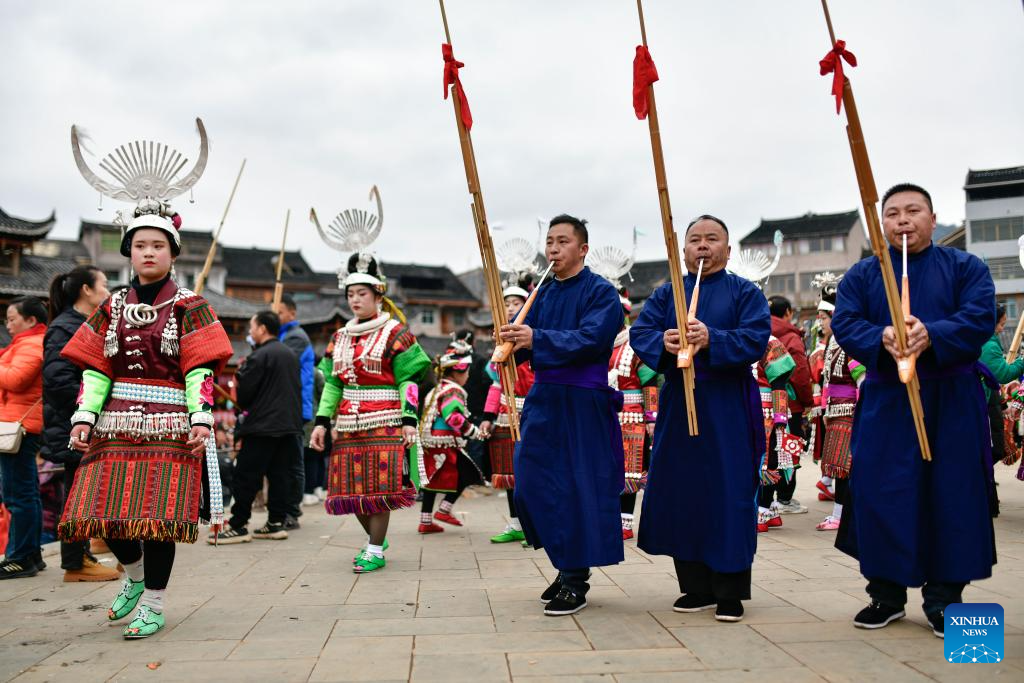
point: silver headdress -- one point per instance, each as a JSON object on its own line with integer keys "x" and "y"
{"x": 518, "y": 259}
{"x": 146, "y": 173}
{"x": 828, "y": 285}
{"x": 754, "y": 265}
{"x": 613, "y": 264}
{"x": 354, "y": 230}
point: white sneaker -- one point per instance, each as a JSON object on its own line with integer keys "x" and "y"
{"x": 793, "y": 507}
{"x": 320, "y": 493}
{"x": 309, "y": 499}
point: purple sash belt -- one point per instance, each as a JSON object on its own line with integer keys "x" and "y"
{"x": 583, "y": 377}
{"x": 925, "y": 373}
{"x": 839, "y": 391}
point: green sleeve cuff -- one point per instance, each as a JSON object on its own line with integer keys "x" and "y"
{"x": 199, "y": 390}
{"x": 645, "y": 374}
{"x": 95, "y": 389}
{"x": 330, "y": 398}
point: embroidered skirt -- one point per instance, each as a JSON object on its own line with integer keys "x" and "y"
{"x": 836, "y": 457}
{"x": 501, "y": 449}
{"x": 633, "y": 447}
{"x": 140, "y": 490}
{"x": 366, "y": 473}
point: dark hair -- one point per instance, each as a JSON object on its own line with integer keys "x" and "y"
{"x": 778, "y": 305}
{"x": 907, "y": 187}
{"x": 465, "y": 335}
{"x": 269, "y": 320}
{"x": 289, "y": 302}
{"x": 706, "y": 217}
{"x": 30, "y": 307}
{"x": 579, "y": 226}
{"x": 1000, "y": 311}
{"x": 67, "y": 287}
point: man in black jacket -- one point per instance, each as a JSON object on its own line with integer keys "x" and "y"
{"x": 269, "y": 392}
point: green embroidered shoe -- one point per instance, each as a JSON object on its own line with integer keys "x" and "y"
{"x": 146, "y": 623}
{"x": 126, "y": 600}
{"x": 363, "y": 550}
{"x": 525, "y": 543}
{"x": 508, "y": 535}
{"x": 368, "y": 562}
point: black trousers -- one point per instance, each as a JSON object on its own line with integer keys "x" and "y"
{"x": 937, "y": 595}
{"x": 627, "y": 503}
{"x": 697, "y": 578}
{"x": 158, "y": 558}
{"x": 272, "y": 457}
{"x": 296, "y": 480}
{"x": 315, "y": 473}
{"x": 430, "y": 496}
{"x": 72, "y": 554}
{"x": 511, "y": 496}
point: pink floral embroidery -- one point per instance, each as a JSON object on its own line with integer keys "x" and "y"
{"x": 81, "y": 393}
{"x": 412, "y": 396}
{"x": 456, "y": 420}
{"x": 206, "y": 392}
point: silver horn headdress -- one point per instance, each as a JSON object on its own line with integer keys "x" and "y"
{"x": 146, "y": 173}
{"x": 613, "y": 264}
{"x": 353, "y": 231}
{"x": 754, "y": 265}
{"x": 827, "y": 284}
{"x": 518, "y": 259}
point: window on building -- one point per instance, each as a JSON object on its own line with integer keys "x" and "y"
{"x": 838, "y": 243}
{"x": 997, "y": 229}
{"x": 787, "y": 248}
{"x": 427, "y": 316}
{"x": 113, "y": 277}
{"x": 458, "y": 318}
{"x": 1011, "y": 308}
{"x": 805, "y": 282}
{"x": 818, "y": 244}
{"x": 781, "y": 284}
{"x": 1005, "y": 268}
{"x": 110, "y": 241}
{"x": 803, "y": 246}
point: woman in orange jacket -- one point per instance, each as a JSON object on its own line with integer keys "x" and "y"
{"x": 21, "y": 390}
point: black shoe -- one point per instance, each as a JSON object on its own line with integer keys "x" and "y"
{"x": 877, "y": 615}
{"x": 938, "y": 622}
{"x": 729, "y": 610}
{"x": 693, "y": 603}
{"x": 566, "y": 602}
{"x": 16, "y": 569}
{"x": 38, "y": 559}
{"x": 274, "y": 532}
{"x": 551, "y": 591}
{"x": 228, "y": 535}
{"x": 291, "y": 523}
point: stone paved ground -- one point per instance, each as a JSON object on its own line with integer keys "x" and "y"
{"x": 454, "y": 607}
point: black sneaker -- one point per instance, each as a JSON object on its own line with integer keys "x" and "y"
{"x": 877, "y": 615}
{"x": 274, "y": 532}
{"x": 566, "y": 602}
{"x": 693, "y": 603}
{"x": 17, "y": 569}
{"x": 551, "y": 591}
{"x": 729, "y": 610}
{"x": 938, "y": 622}
{"x": 229, "y": 535}
{"x": 291, "y": 523}
{"x": 38, "y": 559}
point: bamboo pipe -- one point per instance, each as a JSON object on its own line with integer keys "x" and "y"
{"x": 687, "y": 358}
{"x": 906, "y": 365}
{"x": 201, "y": 280}
{"x": 278, "y": 285}
{"x": 501, "y": 352}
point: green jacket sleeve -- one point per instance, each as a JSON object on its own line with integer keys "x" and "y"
{"x": 95, "y": 390}
{"x": 410, "y": 366}
{"x": 993, "y": 358}
{"x": 331, "y": 396}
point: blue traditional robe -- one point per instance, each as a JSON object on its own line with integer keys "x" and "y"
{"x": 700, "y": 504}
{"x": 569, "y": 463}
{"x": 914, "y": 521}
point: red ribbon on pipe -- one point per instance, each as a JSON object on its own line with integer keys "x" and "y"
{"x": 644, "y": 74}
{"x": 451, "y": 77}
{"x": 832, "y": 63}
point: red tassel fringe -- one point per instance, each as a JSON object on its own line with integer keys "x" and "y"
{"x": 370, "y": 505}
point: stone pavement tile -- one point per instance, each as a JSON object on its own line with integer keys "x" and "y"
{"x": 459, "y": 667}
{"x": 786, "y": 675}
{"x": 786, "y": 614}
{"x": 448, "y": 560}
{"x": 637, "y": 567}
{"x": 818, "y": 568}
{"x": 450, "y": 576}
{"x": 365, "y": 658}
{"x": 412, "y": 627}
{"x": 851, "y": 660}
{"x": 370, "y": 611}
{"x": 534, "y": 622}
{"x": 274, "y": 629}
{"x": 602, "y": 662}
{"x": 371, "y": 589}
{"x": 215, "y": 618}
{"x": 736, "y": 646}
{"x": 589, "y": 678}
{"x": 117, "y": 651}
{"x": 94, "y": 672}
{"x": 945, "y": 672}
{"x": 17, "y": 656}
{"x": 552, "y": 641}
{"x": 617, "y": 629}
{"x": 662, "y": 584}
{"x": 537, "y": 583}
{"x": 898, "y": 632}
{"x": 287, "y": 648}
{"x": 279, "y": 671}
{"x": 453, "y": 603}
{"x": 830, "y": 605}
{"x": 517, "y": 594}
{"x": 492, "y": 569}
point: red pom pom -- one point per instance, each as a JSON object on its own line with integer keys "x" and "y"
{"x": 176, "y": 221}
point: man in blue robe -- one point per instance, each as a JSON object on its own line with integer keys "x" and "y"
{"x": 700, "y": 504}
{"x": 911, "y": 522}
{"x": 569, "y": 462}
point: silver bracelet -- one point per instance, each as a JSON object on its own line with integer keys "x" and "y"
{"x": 201, "y": 418}
{"x": 83, "y": 417}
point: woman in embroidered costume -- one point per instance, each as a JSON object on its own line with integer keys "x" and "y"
{"x": 495, "y": 426}
{"x": 372, "y": 366}
{"x": 820, "y": 330}
{"x": 444, "y": 465}
{"x": 781, "y": 456}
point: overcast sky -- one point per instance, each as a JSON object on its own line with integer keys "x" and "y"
{"x": 327, "y": 98}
